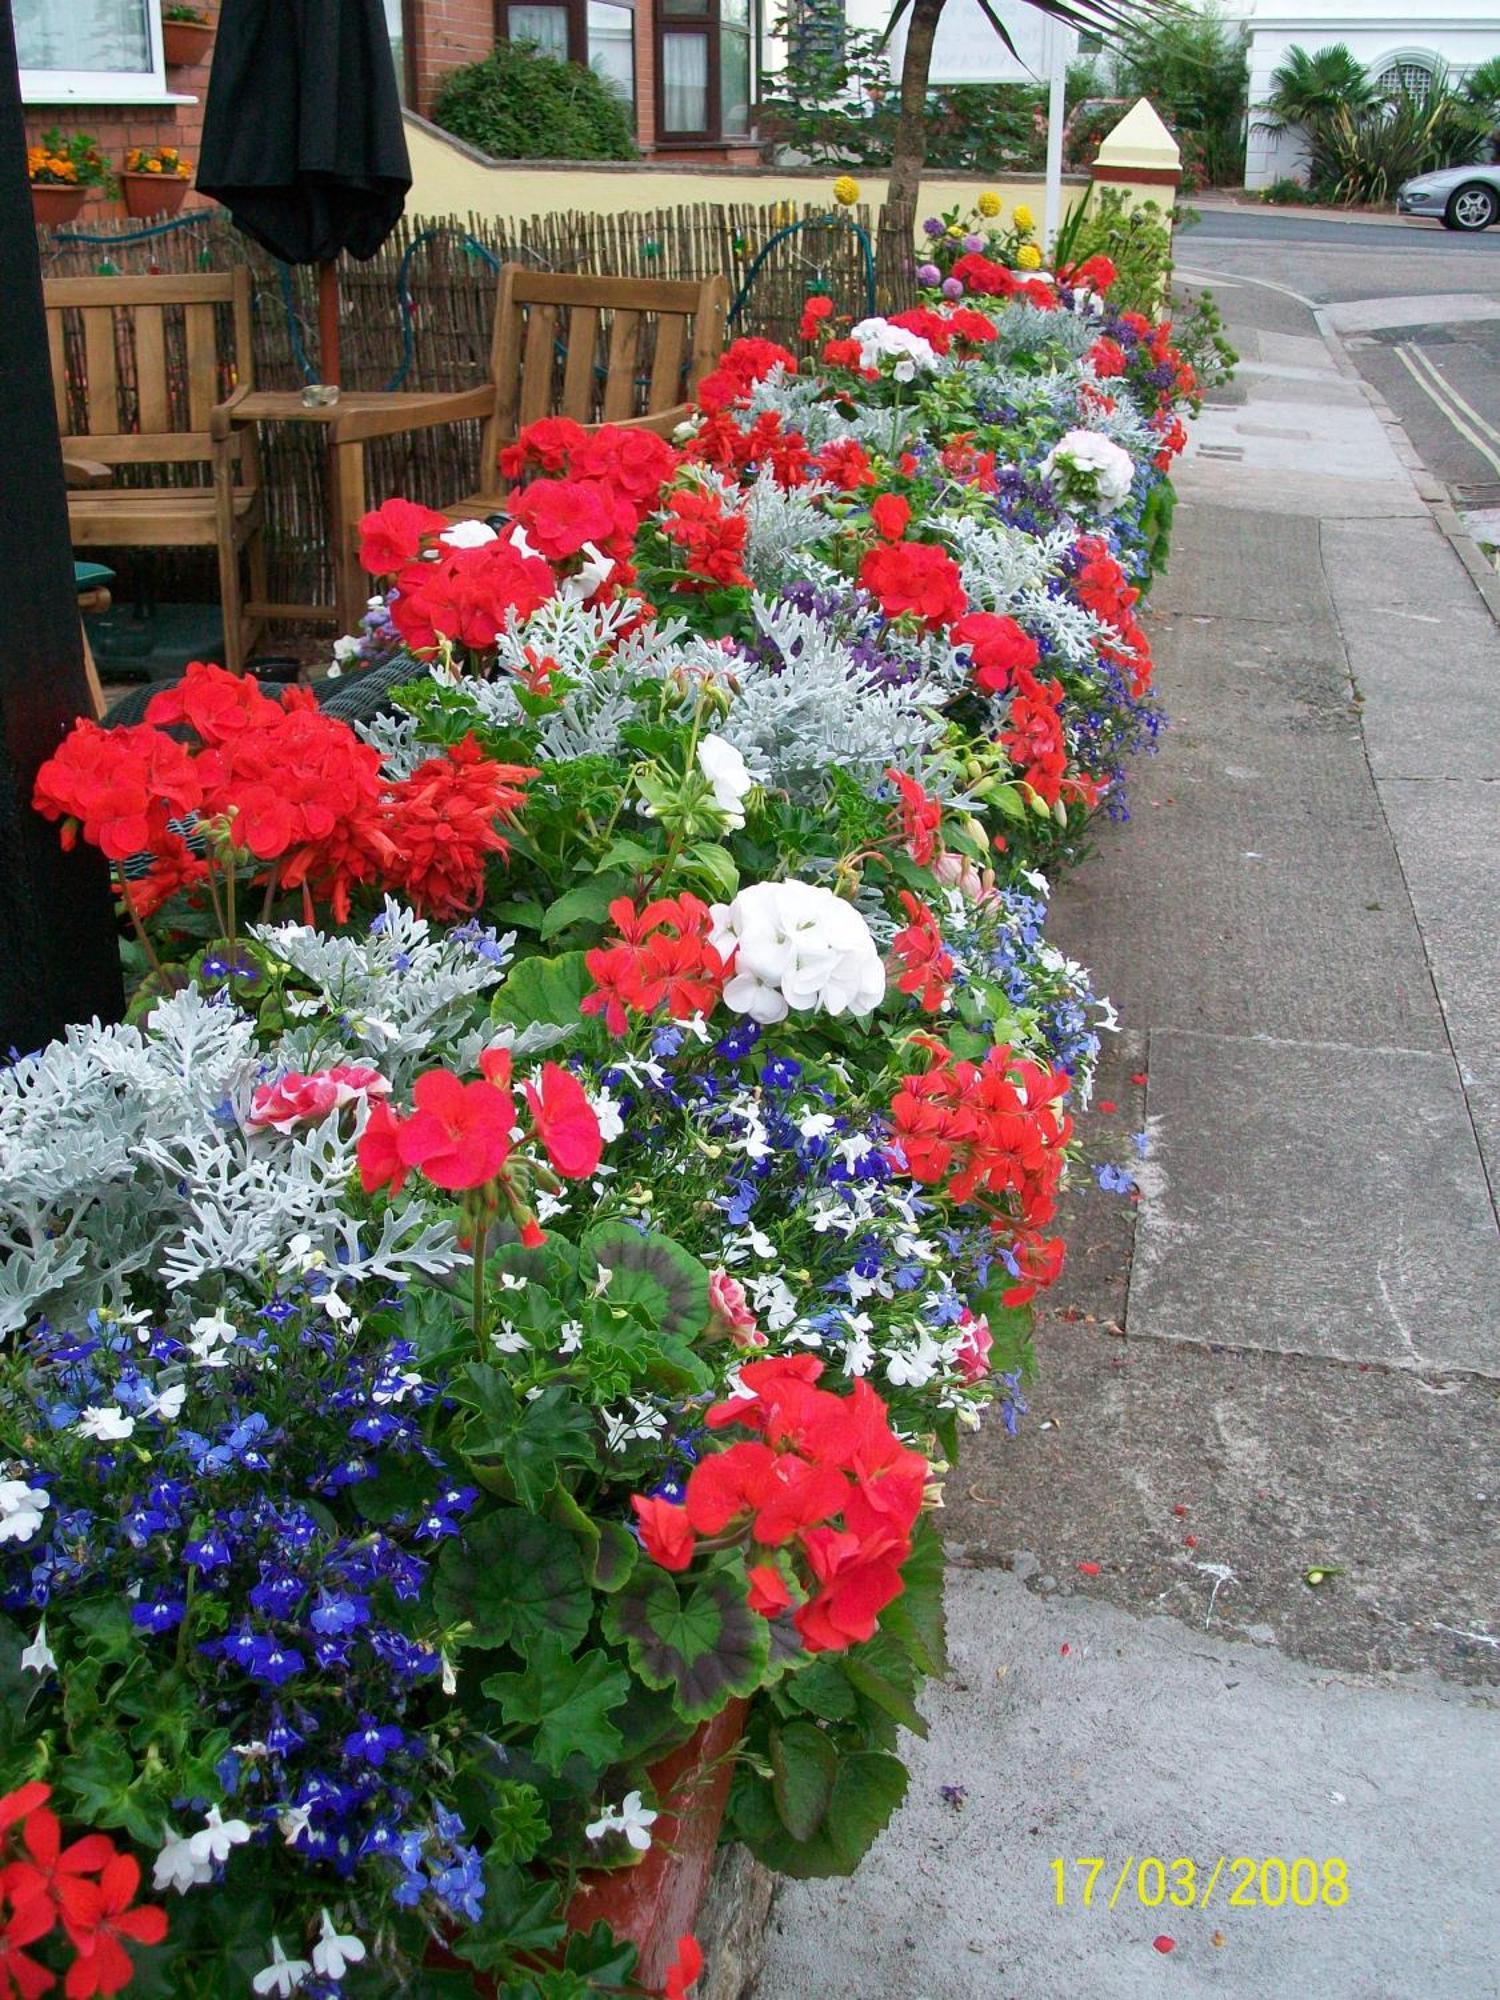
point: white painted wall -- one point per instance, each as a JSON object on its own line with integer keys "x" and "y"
{"x": 1460, "y": 33}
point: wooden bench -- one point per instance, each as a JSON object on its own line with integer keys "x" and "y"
{"x": 144, "y": 381}
{"x": 628, "y": 351}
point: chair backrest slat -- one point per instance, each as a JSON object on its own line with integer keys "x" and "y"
{"x": 105, "y": 332}
{"x": 647, "y": 321}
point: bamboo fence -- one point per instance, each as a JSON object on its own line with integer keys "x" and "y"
{"x": 418, "y": 316}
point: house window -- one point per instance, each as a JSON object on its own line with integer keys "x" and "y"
{"x": 90, "y": 51}
{"x": 1412, "y": 74}
{"x": 705, "y": 69}
{"x": 599, "y": 34}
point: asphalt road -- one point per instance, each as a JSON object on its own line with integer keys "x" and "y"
{"x": 1418, "y": 307}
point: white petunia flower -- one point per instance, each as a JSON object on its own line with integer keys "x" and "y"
{"x": 283, "y": 1975}
{"x": 38, "y": 1657}
{"x": 332, "y": 1954}
{"x": 21, "y": 1508}
{"x": 105, "y": 1421}
{"x": 729, "y": 775}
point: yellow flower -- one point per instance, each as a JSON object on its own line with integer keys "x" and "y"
{"x": 846, "y": 190}
{"x": 153, "y": 166}
{"x": 955, "y": 229}
{"x": 988, "y": 204}
{"x": 1023, "y": 218}
{"x": 1029, "y": 257}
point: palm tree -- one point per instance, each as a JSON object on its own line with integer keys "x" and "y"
{"x": 1125, "y": 19}
{"x": 1308, "y": 87}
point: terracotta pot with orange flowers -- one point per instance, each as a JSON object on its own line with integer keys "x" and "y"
{"x": 155, "y": 180}
{"x": 62, "y": 172}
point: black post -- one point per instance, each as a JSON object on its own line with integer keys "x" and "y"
{"x": 59, "y": 956}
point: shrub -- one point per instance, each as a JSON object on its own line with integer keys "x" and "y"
{"x": 1363, "y": 156}
{"x": 1193, "y": 68}
{"x": 521, "y": 105}
{"x": 1307, "y": 86}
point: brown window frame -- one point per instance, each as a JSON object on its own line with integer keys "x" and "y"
{"x": 711, "y": 26}
{"x": 577, "y": 12}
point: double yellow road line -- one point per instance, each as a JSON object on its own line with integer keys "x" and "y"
{"x": 1464, "y": 418}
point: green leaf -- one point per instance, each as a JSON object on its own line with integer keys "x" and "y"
{"x": 651, "y": 1271}
{"x": 532, "y": 1439}
{"x": 915, "y": 1620}
{"x": 545, "y": 990}
{"x": 702, "y": 1647}
{"x": 804, "y": 1764}
{"x": 513, "y": 1578}
{"x": 516, "y": 1822}
{"x": 623, "y": 852}
{"x": 520, "y": 1915}
{"x": 885, "y": 1692}
{"x": 589, "y": 903}
{"x": 611, "y": 1960}
{"x": 821, "y": 1689}
{"x": 525, "y": 914}
{"x": 568, "y": 1701}
{"x": 867, "y": 1789}
{"x": 713, "y": 865}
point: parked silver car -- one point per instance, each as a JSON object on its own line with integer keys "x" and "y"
{"x": 1465, "y": 198}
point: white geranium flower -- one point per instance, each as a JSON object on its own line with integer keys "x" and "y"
{"x": 880, "y": 341}
{"x": 1090, "y": 467}
{"x": 283, "y": 1975}
{"x": 728, "y": 773}
{"x": 465, "y": 535}
{"x": 21, "y": 1508}
{"x": 38, "y": 1657}
{"x": 332, "y": 1954}
{"x": 797, "y": 946}
{"x": 107, "y": 1422}
{"x": 630, "y": 1817}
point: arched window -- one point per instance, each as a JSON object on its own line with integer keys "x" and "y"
{"x": 1409, "y": 72}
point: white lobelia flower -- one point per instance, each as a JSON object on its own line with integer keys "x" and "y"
{"x": 1089, "y": 466}
{"x": 38, "y": 1657}
{"x": 611, "y": 1122}
{"x": 211, "y": 1337}
{"x": 283, "y": 1975}
{"x": 468, "y": 535}
{"x": 332, "y": 1954}
{"x": 178, "y": 1867}
{"x": 630, "y": 1817}
{"x": 218, "y": 1837}
{"x": 21, "y": 1509}
{"x": 105, "y": 1421}
{"x": 729, "y": 775}
{"x": 796, "y": 946}
{"x": 168, "y": 1405}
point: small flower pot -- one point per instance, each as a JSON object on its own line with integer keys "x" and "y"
{"x": 186, "y": 43}
{"x": 54, "y": 205}
{"x": 153, "y": 194}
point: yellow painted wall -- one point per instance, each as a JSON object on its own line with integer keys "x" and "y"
{"x": 450, "y": 179}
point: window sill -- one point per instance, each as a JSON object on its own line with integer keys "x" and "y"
{"x": 37, "y": 94}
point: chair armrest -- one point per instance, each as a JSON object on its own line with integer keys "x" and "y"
{"x": 663, "y": 423}
{"x": 354, "y": 426}
{"x": 221, "y": 418}
{"x": 87, "y": 472}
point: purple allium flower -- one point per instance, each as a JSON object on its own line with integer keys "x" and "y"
{"x": 932, "y": 227}
{"x": 928, "y": 274}
{"x": 974, "y": 244}
{"x": 953, "y": 288}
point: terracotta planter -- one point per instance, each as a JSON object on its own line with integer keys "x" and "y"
{"x": 52, "y": 205}
{"x": 658, "y": 1900}
{"x": 153, "y": 194}
{"x": 185, "y": 43}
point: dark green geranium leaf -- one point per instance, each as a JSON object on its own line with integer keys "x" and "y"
{"x": 885, "y": 1691}
{"x": 651, "y": 1271}
{"x": 804, "y": 1764}
{"x": 589, "y": 903}
{"x": 867, "y": 1789}
{"x": 568, "y": 1701}
{"x": 517, "y": 1822}
{"x": 533, "y": 1440}
{"x": 513, "y": 1578}
{"x": 611, "y": 1960}
{"x": 544, "y": 990}
{"x": 701, "y": 1642}
{"x": 915, "y": 1620}
{"x": 821, "y": 1689}
{"x": 520, "y": 1915}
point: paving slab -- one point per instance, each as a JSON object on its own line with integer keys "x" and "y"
{"x": 1075, "y": 1729}
{"x": 1318, "y": 496}
{"x": 1410, "y": 309}
{"x": 1448, "y": 838}
{"x": 1221, "y": 558}
{"x": 1422, "y": 648}
{"x": 1315, "y": 1198}
{"x": 1275, "y": 436}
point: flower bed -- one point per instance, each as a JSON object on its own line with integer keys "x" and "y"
{"x": 581, "y": 1154}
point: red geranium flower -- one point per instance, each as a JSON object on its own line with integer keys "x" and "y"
{"x": 998, "y": 648}
{"x": 915, "y": 577}
{"x": 685, "y": 1969}
{"x": 926, "y": 966}
{"x": 565, "y": 1122}
{"x": 666, "y": 1533}
{"x": 891, "y": 515}
{"x": 391, "y": 536}
{"x": 104, "y": 1919}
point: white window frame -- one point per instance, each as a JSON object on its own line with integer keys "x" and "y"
{"x": 105, "y": 86}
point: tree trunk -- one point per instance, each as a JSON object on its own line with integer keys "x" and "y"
{"x": 898, "y": 219}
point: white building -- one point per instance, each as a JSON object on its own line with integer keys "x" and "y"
{"x": 1409, "y": 41}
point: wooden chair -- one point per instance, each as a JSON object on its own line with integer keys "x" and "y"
{"x": 626, "y": 351}
{"x": 140, "y": 378}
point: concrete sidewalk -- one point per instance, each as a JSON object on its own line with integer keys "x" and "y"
{"x": 1285, "y": 1357}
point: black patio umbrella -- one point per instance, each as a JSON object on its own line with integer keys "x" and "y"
{"x": 302, "y": 137}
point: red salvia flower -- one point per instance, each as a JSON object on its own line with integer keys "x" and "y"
{"x": 442, "y": 823}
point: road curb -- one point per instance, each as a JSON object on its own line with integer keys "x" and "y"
{"x": 1431, "y": 490}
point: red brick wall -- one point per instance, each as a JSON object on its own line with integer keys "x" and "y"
{"x": 445, "y": 35}
{"x": 118, "y": 127}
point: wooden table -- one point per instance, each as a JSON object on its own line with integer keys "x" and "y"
{"x": 358, "y": 415}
